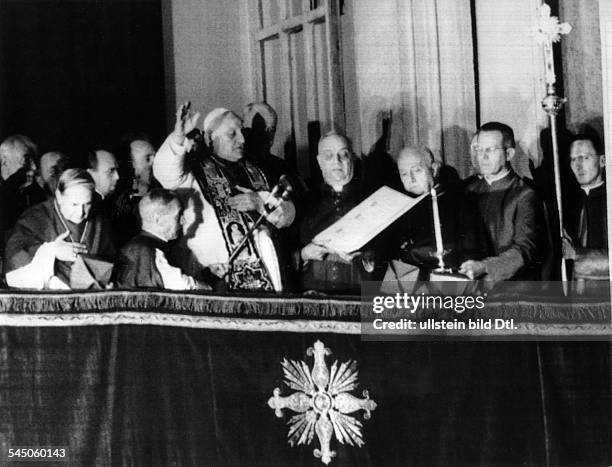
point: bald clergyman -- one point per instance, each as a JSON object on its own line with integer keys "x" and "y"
{"x": 412, "y": 238}
{"x": 323, "y": 270}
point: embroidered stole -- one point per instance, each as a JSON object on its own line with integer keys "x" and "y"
{"x": 247, "y": 271}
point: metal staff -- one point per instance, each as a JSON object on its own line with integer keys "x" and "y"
{"x": 552, "y": 104}
{"x": 549, "y": 30}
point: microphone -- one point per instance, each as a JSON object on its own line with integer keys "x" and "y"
{"x": 284, "y": 182}
{"x": 281, "y": 192}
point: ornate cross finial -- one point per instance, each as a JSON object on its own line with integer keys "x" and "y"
{"x": 549, "y": 30}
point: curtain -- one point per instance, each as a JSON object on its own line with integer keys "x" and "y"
{"x": 414, "y": 77}
{"x": 149, "y": 395}
{"x": 581, "y": 59}
{"x": 143, "y": 394}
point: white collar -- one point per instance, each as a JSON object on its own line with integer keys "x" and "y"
{"x": 497, "y": 177}
{"x": 335, "y": 187}
{"x": 587, "y": 189}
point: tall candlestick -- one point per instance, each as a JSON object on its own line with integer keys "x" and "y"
{"x": 437, "y": 227}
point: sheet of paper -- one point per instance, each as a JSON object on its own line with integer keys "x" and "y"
{"x": 366, "y": 220}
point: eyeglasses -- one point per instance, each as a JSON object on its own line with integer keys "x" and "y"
{"x": 330, "y": 156}
{"x": 583, "y": 158}
{"x": 488, "y": 151}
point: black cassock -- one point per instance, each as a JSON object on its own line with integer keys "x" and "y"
{"x": 322, "y": 209}
{"x": 136, "y": 266}
{"x": 591, "y": 215}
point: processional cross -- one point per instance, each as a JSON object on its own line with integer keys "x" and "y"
{"x": 549, "y": 30}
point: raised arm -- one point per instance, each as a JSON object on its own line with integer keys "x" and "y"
{"x": 169, "y": 162}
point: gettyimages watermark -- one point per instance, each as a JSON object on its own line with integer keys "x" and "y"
{"x": 477, "y": 311}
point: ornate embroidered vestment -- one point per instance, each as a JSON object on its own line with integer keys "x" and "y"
{"x": 248, "y": 270}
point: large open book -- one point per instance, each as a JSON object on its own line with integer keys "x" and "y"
{"x": 366, "y": 220}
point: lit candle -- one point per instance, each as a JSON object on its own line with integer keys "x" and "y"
{"x": 436, "y": 219}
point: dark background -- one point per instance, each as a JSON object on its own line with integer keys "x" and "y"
{"x": 81, "y": 73}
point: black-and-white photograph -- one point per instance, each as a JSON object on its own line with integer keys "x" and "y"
{"x": 305, "y": 233}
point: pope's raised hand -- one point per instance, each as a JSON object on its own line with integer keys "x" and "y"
{"x": 186, "y": 121}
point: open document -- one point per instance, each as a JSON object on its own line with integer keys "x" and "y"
{"x": 366, "y": 220}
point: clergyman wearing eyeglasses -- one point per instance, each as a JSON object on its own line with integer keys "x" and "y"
{"x": 510, "y": 209}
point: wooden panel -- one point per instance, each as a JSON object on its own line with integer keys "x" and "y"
{"x": 284, "y": 109}
{"x": 296, "y": 7}
{"x": 271, "y": 72}
{"x": 311, "y": 104}
{"x": 258, "y": 18}
{"x": 256, "y": 49}
{"x": 299, "y": 103}
{"x": 283, "y": 10}
{"x": 321, "y": 76}
{"x": 270, "y": 12}
{"x": 292, "y": 49}
{"x": 334, "y": 57}
{"x": 291, "y": 24}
